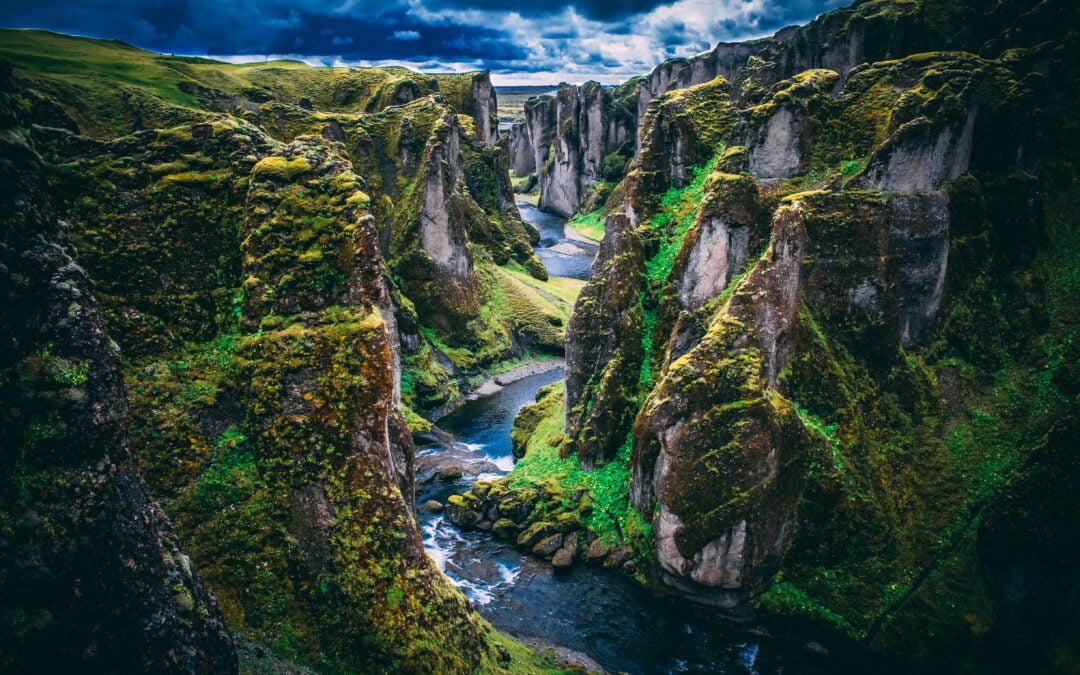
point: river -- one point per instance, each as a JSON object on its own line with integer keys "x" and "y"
{"x": 564, "y": 254}
{"x": 602, "y": 614}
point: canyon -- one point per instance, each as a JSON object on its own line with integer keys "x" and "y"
{"x": 771, "y": 348}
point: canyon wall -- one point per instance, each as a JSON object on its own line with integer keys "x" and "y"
{"x": 92, "y": 573}
{"x": 283, "y": 283}
{"x": 796, "y": 318}
{"x": 838, "y": 41}
{"x": 565, "y": 138}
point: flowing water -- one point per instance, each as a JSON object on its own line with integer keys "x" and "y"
{"x": 600, "y": 613}
{"x": 562, "y": 255}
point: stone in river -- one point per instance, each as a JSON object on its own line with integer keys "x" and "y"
{"x": 547, "y": 547}
{"x": 597, "y": 550}
{"x": 564, "y": 558}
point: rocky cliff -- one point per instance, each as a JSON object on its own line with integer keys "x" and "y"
{"x": 92, "y": 574}
{"x": 566, "y": 139}
{"x": 826, "y": 287}
{"x": 838, "y": 41}
{"x": 282, "y": 281}
{"x": 425, "y": 146}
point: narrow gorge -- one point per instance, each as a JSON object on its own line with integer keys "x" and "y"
{"x": 763, "y": 361}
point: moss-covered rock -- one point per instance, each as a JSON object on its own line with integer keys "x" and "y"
{"x": 267, "y": 400}
{"x": 827, "y": 409}
{"x": 93, "y": 577}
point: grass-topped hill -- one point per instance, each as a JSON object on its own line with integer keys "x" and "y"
{"x": 106, "y": 88}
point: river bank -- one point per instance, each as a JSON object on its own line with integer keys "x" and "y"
{"x": 495, "y": 383}
{"x": 603, "y": 614}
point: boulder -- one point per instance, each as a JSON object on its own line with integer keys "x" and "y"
{"x": 534, "y": 533}
{"x": 617, "y": 558}
{"x": 505, "y": 528}
{"x": 547, "y": 547}
{"x": 597, "y": 550}
{"x": 461, "y": 512}
{"x": 563, "y": 558}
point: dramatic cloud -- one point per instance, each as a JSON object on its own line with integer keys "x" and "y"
{"x": 520, "y": 42}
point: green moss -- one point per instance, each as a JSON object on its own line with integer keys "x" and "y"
{"x": 785, "y": 598}
{"x": 828, "y": 432}
{"x": 610, "y": 516}
{"x": 75, "y": 375}
{"x": 281, "y": 167}
{"x": 509, "y": 656}
{"x": 678, "y": 208}
{"x": 358, "y": 199}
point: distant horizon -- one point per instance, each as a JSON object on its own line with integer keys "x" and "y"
{"x": 603, "y": 40}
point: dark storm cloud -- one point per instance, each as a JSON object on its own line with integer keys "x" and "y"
{"x": 601, "y": 10}
{"x": 609, "y": 39}
{"x": 206, "y": 26}
{"x": 672, "y": 35}
{"x": 779, "y": 14}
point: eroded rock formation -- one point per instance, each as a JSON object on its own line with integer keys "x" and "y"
{"x": 838, "y": 42}
{"x": 775, "y": 330}
{"x": 92, "y": 574}
{"x": 275, "y": 275}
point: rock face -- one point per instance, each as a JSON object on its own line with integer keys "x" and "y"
{"x": 778, "y": 321}
{"x": 838, "y": 42}
{"x": 591, "y": 125}
{"x": 607, "y": 323}
{"x": 442, "y": 237}
{"x": 472, "y": 94}
{"x": 444, "y": 210}
{"x": 484, "y": 104}
{"x": 565, "y": 138}
{"x": 278, "y": 281}
{"x": 522, "y": 155}
{"x": 721, "y": 248}
{"x": 532, "y": 138}
{"x": 921, "y": 155}
{"x": 605, "y": 331}
{"x": 320, "y": 384}
{"x": 680, "y": 132}
{"x": 755, "y": 338}
{"x": 426, "y": 148}
{"x": 92, "y": 574}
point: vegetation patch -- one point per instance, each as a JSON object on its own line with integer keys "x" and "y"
{"x": 589, "y": 225}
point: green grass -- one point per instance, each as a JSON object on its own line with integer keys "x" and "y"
{"x": 512, "y": 100}
{"x": 608, "y": 486}
{"x": 678, "y": 208}
{"x": 827, "y": 431}
{"x": 563, "y": 289}
{"x": 522, "y": 660}
{"x": 93, "y": 80}
{"x": 518, "y": 182}
{"x": 588, "y": 225}
{"x": 788, "y": 599}
{"x": 84, "y": 59}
